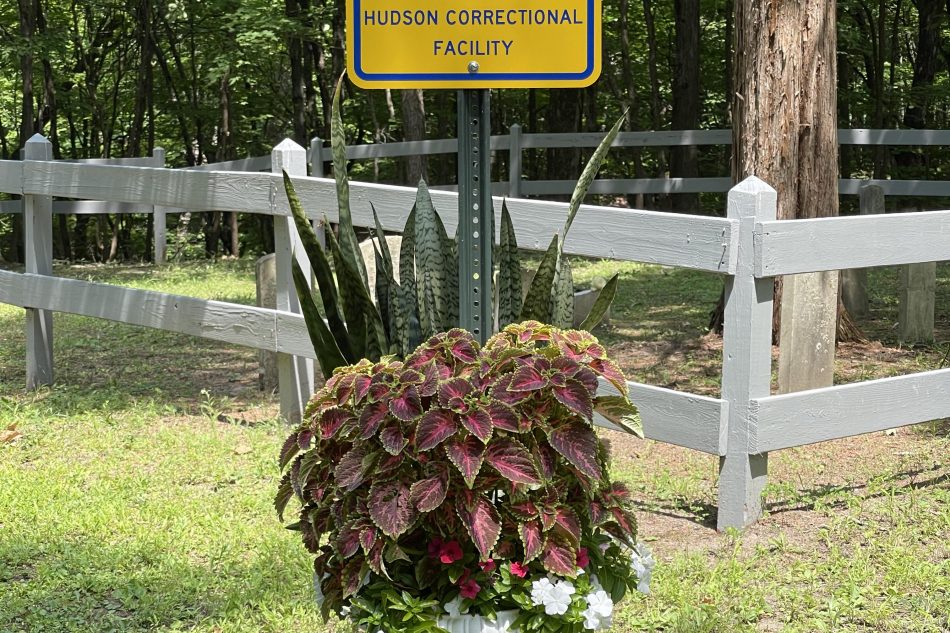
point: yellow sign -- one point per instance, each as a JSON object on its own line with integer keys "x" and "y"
{"x": 474, "y": 43}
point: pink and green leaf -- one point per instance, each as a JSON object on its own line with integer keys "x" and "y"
{"x": 574, "y": 396}
{"x": 527, "y": 378}
{"x": 483, "y": 523}
{"x": 559, "y": 557}
{"x": 390, "y": 507}
{"x": 532, "y": 539}
{"x": 503, "y": 416}
{"x": 435, "y": 427}
{"x": 577, "y": 443}
{"x": 372, "y": 417}
{"x": 428, "y": 494}
{"x": 567, "y": 521}
{"x": 467, "y": 454}
{"x": 393, "y": 439}
{"x": 512, "y": 461}
{"x": 332, "y": 420}
{"x": 406, "y": 406}
{"x": 453, "y": 392}
{"x": 478, "y": 423}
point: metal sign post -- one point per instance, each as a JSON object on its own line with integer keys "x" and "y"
{"x": 436, "y": 44}
{"x": 476, "y": 214}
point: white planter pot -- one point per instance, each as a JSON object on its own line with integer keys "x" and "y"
{"x": 478, "y": 624}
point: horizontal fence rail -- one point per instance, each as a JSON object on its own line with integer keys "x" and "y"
{"x": 851, "y": 242}
{"x": 698, "y": 242}
{"x": 819, "y": 415}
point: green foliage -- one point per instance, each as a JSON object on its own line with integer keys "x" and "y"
{"x": 429, "y": 474}
{"x": 425, "y": 300}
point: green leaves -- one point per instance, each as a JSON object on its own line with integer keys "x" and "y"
{"x": 509, "y": 271}
{"x": 601, "y": 304}
{"x": 432, "y": 264}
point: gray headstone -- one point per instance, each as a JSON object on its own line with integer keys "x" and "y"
{"x": 916, "y": 312}
{"x": 394, "y": 242}
{"x": 809, "y": 324}
{"x": 266, "y": 280}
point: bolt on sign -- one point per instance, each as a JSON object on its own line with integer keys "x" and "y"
{"x": 474, "y": 44}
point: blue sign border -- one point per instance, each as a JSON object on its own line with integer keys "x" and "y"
{"x": 465, "y": 76}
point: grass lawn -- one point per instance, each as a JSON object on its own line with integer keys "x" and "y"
{"x": 138, "y": 497}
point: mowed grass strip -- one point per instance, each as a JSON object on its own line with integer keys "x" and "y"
{"x": 139, "y": 495}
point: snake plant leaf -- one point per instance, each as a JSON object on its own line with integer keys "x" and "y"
{"x": 408, "y": 301}
{"x": 537, "y": 305}
{"x": 383, "y": 245}
{"x": 383, "y": 293}
{"x": 322, "y": 272}
{"x": 601, "y": 304}
{"x": 509, "y": 271}
{"x": 328, "y": 353}
{"x": 365, "y": 325}
{"x": 431, "y": 273}
{"x": 562, "y": 295}
{"x": 450, "y": 302}
{"x": 589, "y": 173}
{"x": 348, "y": 244}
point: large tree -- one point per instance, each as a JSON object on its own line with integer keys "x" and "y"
{"x": 785, "y": 132}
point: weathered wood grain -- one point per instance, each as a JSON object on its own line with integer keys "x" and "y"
{"x": 630, "y": 139}
{"x": 850, "y": 242}
{"x": 806, "y": 417}
{"x": 195, "y": 190}
{"x": 640, "y": 185}
{"x": 699, "y": 242}
{"x": 923, "y": 188}
{"x": 893, "y": 137}
{"x": 746, "y": 362}
{"x": 257, "y": 163}
{"x": 215, "y": 320}
{"x": 673, "y": 417}
{"x": 11, "y": 176}
{"x": 38, "y": 242}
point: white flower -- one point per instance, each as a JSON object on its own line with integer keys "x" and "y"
{"x": 599, "y": 611}
{"x": 600, "y": 603}
{"x": 556, "y": 597}
{"x": 454, "y": 607}
{"x": 642, "y": 562}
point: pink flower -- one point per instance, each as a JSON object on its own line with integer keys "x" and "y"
{"x": 519, "y": 570}
{"x": 469, "y": 589}
{"x": 583, "y": 560}
{"x": 488, "y": 566}
{"x": 435, "y": 547}
{"x": 450, "y": 552}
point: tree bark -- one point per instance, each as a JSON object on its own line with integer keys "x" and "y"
{"x": 785, "y": 132}
{"x": 414, "y": 129}
{"x": 684, "y": 159}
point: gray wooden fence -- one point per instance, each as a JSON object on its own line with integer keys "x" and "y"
{"x": 749, "y": 247}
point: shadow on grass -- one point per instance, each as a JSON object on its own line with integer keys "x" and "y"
{"x": 65, "y": 585}
{"x": 835, "y": 496}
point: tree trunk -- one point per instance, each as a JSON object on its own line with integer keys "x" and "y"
{"x": 684, "y": 159}
{"x": 564, "y": 115}
{"x": 414, "y": 129}
{"x": 785, "y": 132}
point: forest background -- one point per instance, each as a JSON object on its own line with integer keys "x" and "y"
{"x": 214, "y": 80}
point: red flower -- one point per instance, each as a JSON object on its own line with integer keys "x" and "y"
{"x": 488, "y": 566}
{"x": 435, "y": 547}
{"x": 469, "y": 589}
{"x": 583, "y": 560}
{"x": 519, "y": 570}
{"x": 450, "y": 552}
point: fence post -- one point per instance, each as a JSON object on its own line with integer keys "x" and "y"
{"x": 514, "y": 161}
{"x": 854, "y": 282}
{"x": 295, "y": 373}
{"x": 159, "y": 224}
{"x": 38, "y": 239}
{"x": 746, "y": 362}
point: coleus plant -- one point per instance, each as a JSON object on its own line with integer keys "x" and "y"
{"x": 438, "y": 477}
